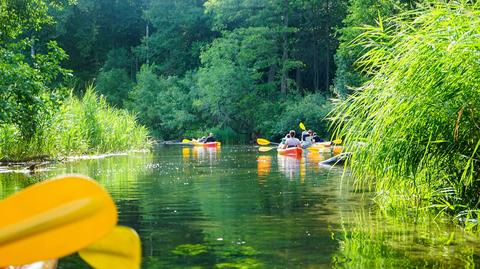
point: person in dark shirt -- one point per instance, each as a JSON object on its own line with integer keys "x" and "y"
{"x": 210, "y": 138}
{"x": 316, "y": 138}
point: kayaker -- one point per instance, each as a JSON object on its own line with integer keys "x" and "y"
{"x": 282, "y": 143}
{"x": 210, "y": 138}
{"x": 308, "y": 140}
{"x": 293, "y": 141}
{"x": 304, "y": 135}
{"x": 316, "y": 138}
{"x": 202, "y": 140}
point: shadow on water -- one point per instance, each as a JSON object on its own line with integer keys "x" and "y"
{"x": 236, "y": 208}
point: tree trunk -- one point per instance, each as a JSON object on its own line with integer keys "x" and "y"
{"x": 327, "y": 66}
{"x": 316, "y": 75}
{"x": 283, "y": 86}
{"x": 298, "y": 79}
{"x": 327, "y": 52}
{"x": 271, "y": 73}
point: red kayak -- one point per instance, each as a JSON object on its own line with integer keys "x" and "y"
{"x": 290, "y": 151}
{"x": 212, "y": 144}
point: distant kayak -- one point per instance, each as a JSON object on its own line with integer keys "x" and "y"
{"x": 290, "y": 151}
{"x": 336, "y": 160}
{"x": 208, "y": 144}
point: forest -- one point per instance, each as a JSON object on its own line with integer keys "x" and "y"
{"x": 238, "y": 68}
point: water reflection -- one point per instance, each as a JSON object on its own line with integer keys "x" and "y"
{"x": 379, "y": 241}
{"x": 264, "y": 162}
{"x": 206, "y": 155}
{"x": 289, "y": 165}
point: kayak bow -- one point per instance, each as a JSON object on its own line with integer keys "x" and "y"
{"x": 290, "y": 151}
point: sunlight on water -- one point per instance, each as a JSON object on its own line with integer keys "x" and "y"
{"x": 236, "y": 208}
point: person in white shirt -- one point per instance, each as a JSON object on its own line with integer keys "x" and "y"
{"x": 292, "y": 141}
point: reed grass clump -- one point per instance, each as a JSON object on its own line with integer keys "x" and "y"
{"x": 414, "y": 127}
{"x": 86, "y": 125}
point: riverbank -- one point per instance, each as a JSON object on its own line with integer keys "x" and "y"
{"x": 42, "y": 165}
{"x": 81, "y": 126}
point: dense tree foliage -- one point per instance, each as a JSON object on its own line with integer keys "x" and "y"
{"x": 37, "y": 118}
{"x": 178, "y": 31}
{"x": 30, "y": 81}
{"x": 241, "y": 65}
{"x": 90, "y": 29}
{"x": 361, "y": 15}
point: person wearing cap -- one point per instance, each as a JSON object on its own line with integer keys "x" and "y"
{"x": 308, "y": 139}
{"x": 304, "y": 135}
{"x": 316, "y": 138}
{"x": 210, "y": 138}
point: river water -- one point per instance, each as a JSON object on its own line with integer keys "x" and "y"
{"x": 237, "y": 208}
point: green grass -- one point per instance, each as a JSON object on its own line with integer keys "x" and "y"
{"x": 80, "y": 126}
{"x": 419, "y": 115}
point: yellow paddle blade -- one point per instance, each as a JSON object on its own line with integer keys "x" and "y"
{"x": 302, "y": 126}
{"x": 121, "y": 248}
{"x": 337, "y": 141}
{"x": 313, "y": 149}
{"x": 263, "y": 141}
{"x": 264, "y": 149}
{"x": 185, "y": 140}
{"x": 54, "y": 218}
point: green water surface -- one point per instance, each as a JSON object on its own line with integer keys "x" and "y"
{"x": 237, "y": 208}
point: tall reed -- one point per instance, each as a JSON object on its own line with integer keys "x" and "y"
{"x": 80, "y": 126}
{"x": 418, "y": 118}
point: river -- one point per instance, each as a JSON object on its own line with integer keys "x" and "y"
{"x": 237, "y": 208}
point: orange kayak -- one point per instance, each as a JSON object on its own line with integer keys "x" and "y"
{"x": 290, "y": 151}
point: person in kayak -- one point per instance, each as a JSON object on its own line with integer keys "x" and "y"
{"x": 282, "y": 143}
{"x": 210, "y": 138}
{"x": 308, "y": 139}
{"x": 317, "y": 138}
{"x": 304, "y": 135}
{"x": 292, "y": 141}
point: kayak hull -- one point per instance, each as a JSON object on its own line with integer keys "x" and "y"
{"x": 212, "y": 144}
{"x": 207, "y": 145}
{"x": 290, "y": 151}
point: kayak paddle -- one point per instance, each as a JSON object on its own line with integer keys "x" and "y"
{"x": 302, "y": 126}
{"x": 337, "y": 141}
{"x": 313, "y": 149}
{"x": 53, "y": 219}
{"x": 121, "y": 248}
{"x": 265, "y": 149}
{"x": 265, "y": 142}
